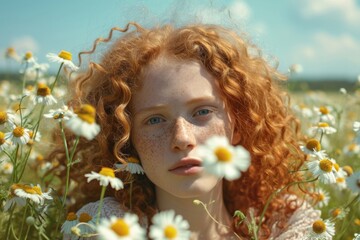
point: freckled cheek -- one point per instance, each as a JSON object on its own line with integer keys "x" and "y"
{"x": 151, "y": 149}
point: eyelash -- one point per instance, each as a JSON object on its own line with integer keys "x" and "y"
{"x": 150, "y": 121}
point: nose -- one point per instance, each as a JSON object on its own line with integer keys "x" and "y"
{"x": 183, "y": 137}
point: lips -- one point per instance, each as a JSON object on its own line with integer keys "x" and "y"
{"x": 186, "y": 166}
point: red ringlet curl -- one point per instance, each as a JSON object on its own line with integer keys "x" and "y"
{"x": 248, "y": 86}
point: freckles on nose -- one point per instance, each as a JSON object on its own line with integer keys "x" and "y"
{"x": 183, "y": 135}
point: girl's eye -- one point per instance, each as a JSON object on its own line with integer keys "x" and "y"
{"x": 203, "y": 112}
{"x": 154, "y": 120}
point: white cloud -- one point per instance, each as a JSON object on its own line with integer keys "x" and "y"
{"x": 237, "y": 12}
{"x": 333, "y": 53}
{"x": 24, "y": 44}
{"x": 345, "y": 10}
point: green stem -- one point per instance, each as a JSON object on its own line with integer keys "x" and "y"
{"x": 15, "y": 164}
{"x": 68, "y": 166}
{"x": 57, "y": 76}
{"x": 23, "y": 221}
{"x": 274, "y": 194}
{"x": 103, "y": 189}
{"x": 12, "y": 208}
{"x": 24, "y": 77}
{"x": 352, "y": 201}
{"x": 27, "y": 232}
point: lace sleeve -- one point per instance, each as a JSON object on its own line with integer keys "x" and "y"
{"x": 111, "y": 207}
{"x": 298, "y": 224}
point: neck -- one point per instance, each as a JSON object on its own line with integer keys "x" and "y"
{"x": 204, "y": 223}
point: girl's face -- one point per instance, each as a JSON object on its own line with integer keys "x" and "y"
{"x": 176, "y": 108}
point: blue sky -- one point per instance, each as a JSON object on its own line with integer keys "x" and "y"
{"x": 323, "y": 35}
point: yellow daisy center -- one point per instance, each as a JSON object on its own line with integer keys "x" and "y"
{"x": 10, "y": 51}
{"x": 352, "y": 147}
{"x": 319, "y": 226}
{"x": 58, "y": 116}
{"x": 121, "y": 228}
{"x": 28, "y": 55}
{"x": 18, "y": 132}
{"x": 43, "y": 90}
{"x": 336, "y": 212}
{"x": 86, "y": 113}
{"x": 357, "y": 221}
{"x": 223, "y": 154}
{"x": 84, "y": 217}
{"x": 105, "y": 171}
{"x": 71, "y": 216}
{"x": 170, "y": 232}
{"x": 324, "y": 110}
{"x": 32, "y": 190}
{"x": 7, "y": 166}
{"x": 326, "y": 165}
{"x": 3, "y": 117}
{"x": 65, "y": 55}
{"x": 302, "y": 106}
{"x": 337, "y": 167}
{"x": 2, "y": 138}
{"x": 132, "y": 160}
{"x": 320, "y": 197}
{"x": 313, "y": 144}
{"x": 348, "y": 170}
{"x": 340, "y": 180}
{"x": 30, "y": 87}
{"x": 323, "y": 124}
{"x": 39, "y": 158}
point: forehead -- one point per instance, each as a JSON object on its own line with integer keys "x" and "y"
{"x": 167, "y": 80}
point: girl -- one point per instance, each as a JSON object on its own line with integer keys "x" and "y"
{"x": 161, "y": 92}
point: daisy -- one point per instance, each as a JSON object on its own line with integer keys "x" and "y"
{"x": 339, "y": 213}
{"x": 33, "y": 193}
{"x": 11, "y": 53}
{"x": 324, "y": 169}
{"x": 303, "y": 111}
{"x": 18, "y": 135}
{"x": 351, "y": 149}
{"x": 322, "y": 127}
{"x": 356, "y": 236}
{"x": 105, "y": 176}
{"x": 71, "y": 221}
{"x": 356, "y": 126}
{"x": 3, "y": 143}
{"x": 348, "y": 169}
{"x": 126, "y": 228}
{"x": 322, "y": 230}
{"x": 311, "y": 146}
{"x": 63, "y": 57}
{"x": 353, "y": 182}
{"x": 325, "y": 114}
{"x": 322, "y": 198}
{"x": 43, "y": 95}
{"x": 133, "y": 166}
{"x": 222, "y": 159}
{"x": 59, "y": 114}
{"x": 28, "y": 58}
{"x": 82, "y": 123}
{"x": 6, "y": 167}
{"x": 295, "y": 68}
{"x": 167, "y": 225}
{"x": 18, "y": 201}
{"x": 6, "y": 118}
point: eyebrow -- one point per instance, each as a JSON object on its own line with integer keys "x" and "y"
{"x": 163, "y": 106}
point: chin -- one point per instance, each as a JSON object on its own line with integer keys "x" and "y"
{"x": 198, "y": 188}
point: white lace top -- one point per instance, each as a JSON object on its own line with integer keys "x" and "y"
{"x": 297, "y": 227}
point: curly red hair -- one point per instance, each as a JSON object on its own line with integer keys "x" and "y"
{"x": 248, "y": 85}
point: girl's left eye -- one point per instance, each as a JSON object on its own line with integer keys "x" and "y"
{"x": 203, "y": 112}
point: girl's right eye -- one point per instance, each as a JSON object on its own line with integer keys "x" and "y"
{"x": 154, "y": 120}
